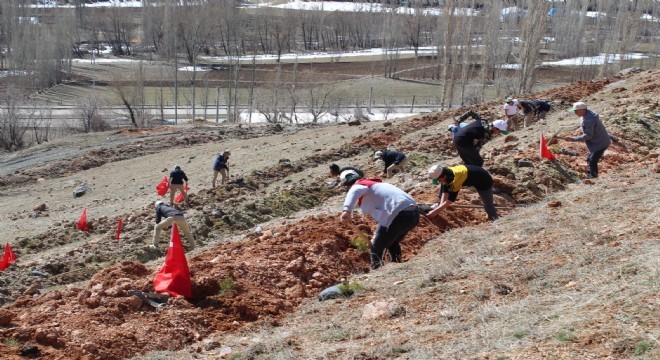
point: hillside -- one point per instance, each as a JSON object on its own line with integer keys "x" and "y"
{"x": 570, "y": 272}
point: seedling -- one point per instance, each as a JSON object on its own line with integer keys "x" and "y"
{"x": 566, "y": 337}
{"x": 360, "y": 244}
{"x": 226, "y": 285}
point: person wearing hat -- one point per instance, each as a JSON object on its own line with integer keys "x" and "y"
{"x": 393, "y": 209}
{"x": 178, "y": 181}
{"x": 165, "y": 216}
{"x": 594, "y": 135}
{"x": 394, "y": 161}
{"x": 469, "y": 139}
{"x": 510, "y": 110}
{"x": 221, "y": 166}
{"x": 452, "y": 178}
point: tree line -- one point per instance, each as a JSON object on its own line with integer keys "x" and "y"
{"x": 471, "y": 42}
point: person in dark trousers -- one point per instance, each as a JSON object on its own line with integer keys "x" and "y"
{"x": 165, "y": 216}
{"x": 178, "y": 180}
{"x": 221, "y": 166}
{"x": 394, "y": 161}
{"x": 528, "y": 112}
{"x": 594, "y": 135}
{"x": 453, "y": 178}
{"x": 470, "y": 138}
{"x": 393, "y": 209}
{"x": 335, "y": 170}
{"x": 541, "y": 109}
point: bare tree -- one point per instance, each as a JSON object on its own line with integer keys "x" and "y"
{"x": 89, "y": 113}
{"x": 319, "y": 100}
{"x": 12, "y": 127}
{"x": 130, "y": 91}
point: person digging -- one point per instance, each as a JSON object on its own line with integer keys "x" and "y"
{"x": 451, "y": 179}
{"x": 394, "y": 161}
{"x": 469, "y": 139}
{"x": 165, "y": 216}
{"x": 393, "y": 209}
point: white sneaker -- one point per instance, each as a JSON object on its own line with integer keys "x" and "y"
{"x": 152, "y": 246}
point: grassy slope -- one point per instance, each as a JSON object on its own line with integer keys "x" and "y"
{"x": 577, "y": 281}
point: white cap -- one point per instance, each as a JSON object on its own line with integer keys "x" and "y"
{"x": 501, "y": 125}
{"x": 579, "y": 106}
{"x": 378, "y": 154}
{"x": 347, "y": 176}
{"x": 435, "y": 171}
{"x": 158, "y": 203}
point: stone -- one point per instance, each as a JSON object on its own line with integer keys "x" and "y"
{"x": 382, "y": 310}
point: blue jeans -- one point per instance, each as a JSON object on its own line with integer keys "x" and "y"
{"x": 389, "y": 238}
{"x": 593, "y": 159}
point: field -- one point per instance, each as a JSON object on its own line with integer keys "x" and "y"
{"x": 570, "y": 272}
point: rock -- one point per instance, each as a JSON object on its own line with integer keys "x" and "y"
{"x": 382, "y": 310}
{"x": 297, "y": 265}
{"x": 6, "y": 317}
{"x": 89, "y": 347}
{"x": 225, "y": 352}
{"x": 554, "y": 203}
{"x": 81, "y": 190}
{"x": 210, "y": 344}
{"x": 510, "y": 138}
{"x": 387, "y": 124}
{"x": 354, "y": 122}
{"x": 525, "y": 163}
{"x": 29, "y": 350}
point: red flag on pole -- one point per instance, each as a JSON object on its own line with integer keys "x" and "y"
{"x": 179, "y": 198}
{"x": 174, "y": 276}
{"x": 545, "y": 152}
{"x": 118, "y": 234}
{"x": 163, "y": 186}
{"x": 3, "y": 264}
{"x": 82, "y": 223}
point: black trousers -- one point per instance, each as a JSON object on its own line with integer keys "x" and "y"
{"x": 389, "y": 238}
{"x": 470, "y": 155}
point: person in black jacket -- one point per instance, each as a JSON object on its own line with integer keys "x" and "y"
{"x": 394, "y": 161}
{"x": 221, "y": 166}
{"x": 178, "y": 180}
{"x": 170, "y": 215}
{"x": 469, "y": 139}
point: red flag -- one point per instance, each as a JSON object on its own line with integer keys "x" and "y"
{"x": 8, "y": 257}
{"x": 174, "y": 276}
{"x": 545, "y": 152}
{"x": 82, "y": 223}
{"x": 163, "y": 186}
{"x": 179, "y": 198}
{"x": 118, "y": 234}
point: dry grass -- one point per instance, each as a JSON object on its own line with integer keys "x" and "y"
{"x": 567, "y": 283}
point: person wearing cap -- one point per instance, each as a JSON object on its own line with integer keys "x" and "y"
{"x": 394, "y": 161}
{"x": 165, "y": 216}
{"x": 335, "y": 170}
{"x": 453, "y": 128}
{"x": 393, "y": 209}
{"x": 510, "y": 110}
{"x": 178, "y": 181}
{"x": 469, "y": 139}
{"x": 594, "y": 135}
{"x": 221, "y": 166}
{"x": 453, "y": 178}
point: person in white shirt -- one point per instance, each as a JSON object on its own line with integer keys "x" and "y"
{"x": 510, "y": 111}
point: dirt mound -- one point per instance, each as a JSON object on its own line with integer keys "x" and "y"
{"x": 264, "y": 277}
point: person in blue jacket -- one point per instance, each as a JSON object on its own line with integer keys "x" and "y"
{"x": 221, "y": 166}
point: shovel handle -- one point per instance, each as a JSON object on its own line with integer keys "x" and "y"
{"x": 358, "y": 231}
